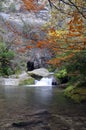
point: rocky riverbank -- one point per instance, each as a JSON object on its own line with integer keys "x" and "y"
{"x": 27, "y": 78}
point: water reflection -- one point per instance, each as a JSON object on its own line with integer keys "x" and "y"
{"x": 43, "y": 94}
{"x": 16, "y": 102}
{"x": 26, "y": 95}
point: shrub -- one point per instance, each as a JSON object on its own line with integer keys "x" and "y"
{"x": 76, "y": 67}
{"x": 78, "y": 94}
{"x": 62, "y": 76}
{"x": 6, "y": 56}
{"x": 27, "y": 81}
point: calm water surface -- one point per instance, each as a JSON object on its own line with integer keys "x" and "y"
{"x": 17, "y": 103}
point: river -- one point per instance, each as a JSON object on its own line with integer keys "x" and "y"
{"x": 39, "y": 108}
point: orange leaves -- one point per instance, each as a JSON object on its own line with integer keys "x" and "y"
{"x": 32, "y": 5}
{"x": 41, "y": 44}
{"x": 29, "y": 47}
{"x": 75, "y": 25}
{"x": 71, "y": 46}
{"x": 24, "y": 49}
{"x": 54, "y": 61}
{"x": 61, "y": 59}
{"x": 73, "y": 34}
{"x": 29, "y": 4}
{"x": 65, "y": 44}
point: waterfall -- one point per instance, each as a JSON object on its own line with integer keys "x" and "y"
{"x": 45, "y": 81}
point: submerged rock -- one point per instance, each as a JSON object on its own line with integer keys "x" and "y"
{"x": 24, "y": 124}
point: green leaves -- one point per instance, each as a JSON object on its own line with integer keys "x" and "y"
{"x": 61, "y": 74}
{"x": 5, "y": 52}
{"x": 6, "y": 56}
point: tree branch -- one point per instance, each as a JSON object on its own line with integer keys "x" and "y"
{"x": 71, "y": 4}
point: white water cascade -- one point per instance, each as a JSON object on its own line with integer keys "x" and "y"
{"x": 45, "y": 81}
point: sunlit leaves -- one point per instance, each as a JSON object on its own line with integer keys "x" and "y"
{"x": 57, "y": 33}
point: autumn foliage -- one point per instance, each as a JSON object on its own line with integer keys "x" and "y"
{"x": 62, "y": 43}
{"x": 66, "y": 43}
{"x": 32, "y": 5}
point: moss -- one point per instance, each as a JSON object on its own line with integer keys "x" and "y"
{"x": 17, "y": 73}
{"x": 75, "y": 93}
{"x": 27, "y": 81}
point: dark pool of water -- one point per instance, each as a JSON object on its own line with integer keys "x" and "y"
{"x": 17, "y": 103}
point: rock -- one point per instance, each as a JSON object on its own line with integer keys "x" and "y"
{"x": 27, "y": 27}
{"x": 40, "y": 112}
{"x": 39, "y": 57}
{"x": 40, "y": 72}
{"x": 23, "y": 124}
{"x": 37, "y": 118}
{"x": 63, "y": 86}
{"x": 64, "y": 80}
{"x": 30, "y": 66}
{"x": 54, "y": 81}
{"x": 9, "y": 81}
{"x": 15, "y": 80}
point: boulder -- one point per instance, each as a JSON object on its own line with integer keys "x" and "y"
{"x": 54, "y": 81}
{"x": 41, "y": 72}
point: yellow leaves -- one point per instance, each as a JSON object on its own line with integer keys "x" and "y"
{"x": 57, "y": 33}
{"x": 79, "y": 2}
{"x": 66, "y": 43}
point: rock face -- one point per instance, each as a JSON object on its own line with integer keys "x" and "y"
{"x": 21, "y": 28}
{"x": 39, "y": 57}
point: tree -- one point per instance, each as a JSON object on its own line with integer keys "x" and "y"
{"x": 79, "y": 5}
{"x": 63, "y": 42}
{"x": 6, "y": 56}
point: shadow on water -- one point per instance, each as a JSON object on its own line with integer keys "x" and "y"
{"x": 18, "y": 103}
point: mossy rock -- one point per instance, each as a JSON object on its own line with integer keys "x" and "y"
{"x": 76, "y": 94}
{"x": 28, "y": 81}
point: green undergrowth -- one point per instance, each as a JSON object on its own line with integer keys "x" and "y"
{"x": 78, "y": 93}
{"x": 28, "y": 81}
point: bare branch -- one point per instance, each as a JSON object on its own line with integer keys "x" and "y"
{"x": 80, "y": 9}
